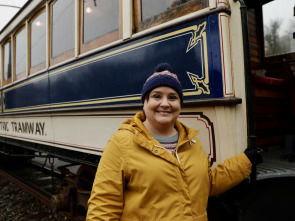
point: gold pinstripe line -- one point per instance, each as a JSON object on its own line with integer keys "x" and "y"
{"x": 119, "y": 51}
{"x": 94, "y": 59}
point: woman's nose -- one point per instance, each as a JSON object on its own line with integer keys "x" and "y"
{"x": 165, "y": 102}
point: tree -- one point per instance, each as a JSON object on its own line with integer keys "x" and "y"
{"x": 276, "y": 43}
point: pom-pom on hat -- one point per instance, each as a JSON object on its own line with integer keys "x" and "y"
{"x": 163, "y": 76}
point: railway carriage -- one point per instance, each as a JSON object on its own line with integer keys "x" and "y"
{"x": 73, "y": 70}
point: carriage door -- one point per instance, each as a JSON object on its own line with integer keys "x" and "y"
{"x": 271, "y": 27}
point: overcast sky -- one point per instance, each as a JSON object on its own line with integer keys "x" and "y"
{"x": 6, "y": 12}
{"x": 273, "y": 10}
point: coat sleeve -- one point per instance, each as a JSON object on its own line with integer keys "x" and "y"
{"x": 228, "y": 174}
{"x": 106, "y": 200}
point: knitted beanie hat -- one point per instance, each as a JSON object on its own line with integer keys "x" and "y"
{"x": 163, "y": 76}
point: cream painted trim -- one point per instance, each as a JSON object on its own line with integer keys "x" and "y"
{"x": 225, "y": 47}
{"x": 127, "y": 18}
{"x": 226, "y": 133}
{"x": 238, "y": 72}
{"x": 28, "y": 48}
{"x": 223, "y": 3}
{"x": 212, "y": 4}
{"x": 47, "y": 11}
{"x": 12, "y": 58}
{"x": 1, "y": 66}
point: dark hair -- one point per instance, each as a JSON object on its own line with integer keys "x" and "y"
{"x": 147, "y": 96}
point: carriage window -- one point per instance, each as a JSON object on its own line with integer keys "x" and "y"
{"x": 7, "y": 63}
{"x": 100, "y": 23}
{"x": 38, "y": 43}
{"x": 1, "y": 70}
{"x": 149, "y": 13}
{"x": 279, "y": 25}
{"x": 20, "y": 54}
{"x": 62, "y": 30}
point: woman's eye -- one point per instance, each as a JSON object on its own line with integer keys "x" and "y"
{"x": 173, "y": 97}
{"x": 156, "y": 96}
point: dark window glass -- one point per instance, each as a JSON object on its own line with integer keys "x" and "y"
{"x": 150, "y": 13}
{"x": 1, "y": 64}
{"x": 62, "y": 27}
{"x": 38, "y": 40}
{"x": 7, "y": 61}
{"x": 100, "y": 17}
{"x": 151, "y": 8}
{"x": 20, "y": 52}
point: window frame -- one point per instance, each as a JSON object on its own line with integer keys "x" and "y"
{"x": 67, "y": 55}
{"x": 1, "y": 65}
{"x": 176, "y": 12}
{"x": 24, "y": 73}
{"x": 262, "y": 24}
{"x": 9, "y": 80}
{"x": 102, "y": 40}
{"x": 41, "y": 66}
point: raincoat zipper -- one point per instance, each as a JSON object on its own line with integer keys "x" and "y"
{"x": 191, "y": 141}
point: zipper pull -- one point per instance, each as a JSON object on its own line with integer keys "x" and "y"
{"x": 192, "y": 141}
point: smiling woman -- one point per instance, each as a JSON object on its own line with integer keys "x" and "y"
{"x": 162, "y": 109}
{"x": 153, "y": 156}
{"x": 162, "y": 98}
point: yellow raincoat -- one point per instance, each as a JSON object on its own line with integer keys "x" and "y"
{"x": 138, "y": 180}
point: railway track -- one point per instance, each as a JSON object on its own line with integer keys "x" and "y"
{"x": 43, "y": 185}
{"x": 35, "y": 191}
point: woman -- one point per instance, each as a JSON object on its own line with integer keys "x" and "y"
{"x": 154, "y": 167}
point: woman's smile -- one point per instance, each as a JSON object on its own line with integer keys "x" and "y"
{"x": 163, "y": 112}
{"x": 162, "y": 108}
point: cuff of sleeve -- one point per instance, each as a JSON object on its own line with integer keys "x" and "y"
{"x": 247, "y": 165}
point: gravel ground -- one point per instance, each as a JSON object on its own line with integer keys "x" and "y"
{"x": 17, "y": 205}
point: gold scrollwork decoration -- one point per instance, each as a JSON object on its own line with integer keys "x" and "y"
{"x": 198, "y": 31}
{"x": 200, "y": 84}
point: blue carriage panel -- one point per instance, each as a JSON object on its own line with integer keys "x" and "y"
{"x": 215, "y": 66}
{"x": 31, "y": 94}
{"x": 116, "y": 76}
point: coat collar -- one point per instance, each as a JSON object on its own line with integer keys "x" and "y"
{"x": 136, "y": 124}
{"x": 143, "y": 138}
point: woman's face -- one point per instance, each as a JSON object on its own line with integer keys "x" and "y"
{"x": 162, "y": 107}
